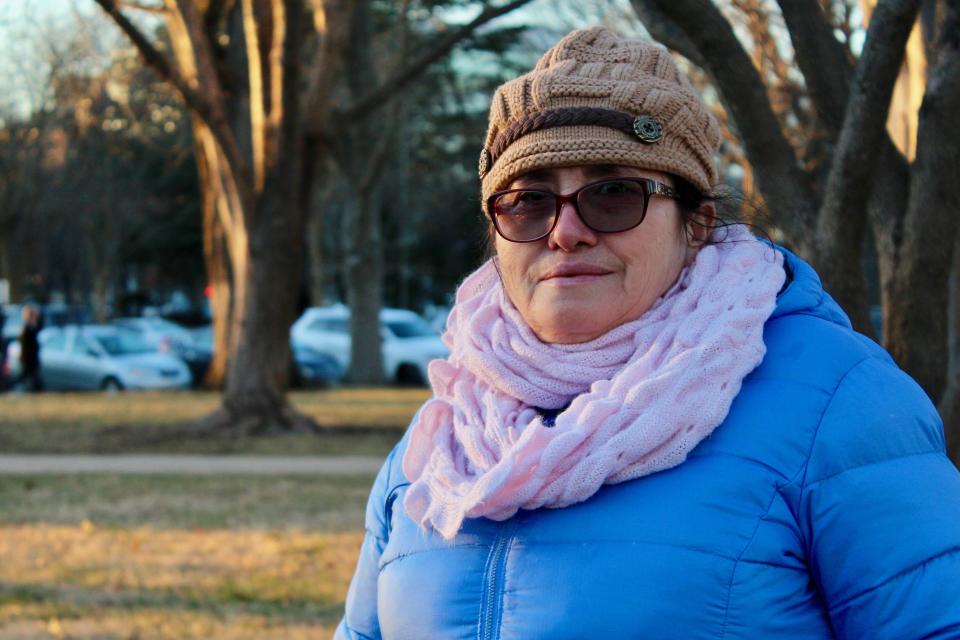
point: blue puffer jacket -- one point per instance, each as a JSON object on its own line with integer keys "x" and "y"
{"x": 824, "y": 506}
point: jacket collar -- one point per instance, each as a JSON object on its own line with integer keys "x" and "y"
{"x": 803, "y": 293}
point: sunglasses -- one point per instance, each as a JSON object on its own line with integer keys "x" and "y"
{"x": 608, "y": 206}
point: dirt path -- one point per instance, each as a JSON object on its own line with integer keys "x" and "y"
{"x": 189, "y": 464}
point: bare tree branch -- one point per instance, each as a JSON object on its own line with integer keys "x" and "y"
{"x": 784, "y": 186}
{"x": 821, "y": 58}
{"x": 158, "y": 62}
{"x": 842, "y": 219}
{"x": 328, "y": 61}
{"x": 666, "y": 31}
{"x": 388, "y": 89}
{"x": 828, "y": 71}
{"x": 208, "y": 104}
{"x": 208, "y": 79}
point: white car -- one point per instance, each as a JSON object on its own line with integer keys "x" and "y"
{"x": 159, "y": 333}
{"x": 408, "y": 342}
{"x": 102, "y": 357}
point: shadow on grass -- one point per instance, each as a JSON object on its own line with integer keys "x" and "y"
{"x": 184, "y": 438}
{"x": 228, "y": 600}
{"x": 359, "y": 422}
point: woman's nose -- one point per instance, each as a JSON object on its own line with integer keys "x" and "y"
{"x": 570, "y": 231}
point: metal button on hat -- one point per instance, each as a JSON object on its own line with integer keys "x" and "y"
{"x": 484, "y": 164}
{"x": 648, "y": 129}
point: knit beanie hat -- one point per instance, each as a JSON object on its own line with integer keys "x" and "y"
{"x": 598, "y": 98}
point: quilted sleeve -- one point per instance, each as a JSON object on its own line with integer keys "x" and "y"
{"x": 360, "y": 621}
{"x": 880, "y": 510}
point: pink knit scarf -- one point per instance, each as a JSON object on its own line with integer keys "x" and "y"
{"x": 640, "y": 397}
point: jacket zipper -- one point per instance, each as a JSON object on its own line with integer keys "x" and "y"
{"x": 495, "y": 567}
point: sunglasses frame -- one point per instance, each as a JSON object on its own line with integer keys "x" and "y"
{"x": 650, "y": 188}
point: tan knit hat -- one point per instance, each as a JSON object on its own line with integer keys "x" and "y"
{"x": 597, "y": 98}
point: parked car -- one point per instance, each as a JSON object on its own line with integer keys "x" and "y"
{"x": 102, "y": 357}
{"x": 408, "y": 342}
{"x": 158, "y": 332}
{"x": 166, "y": 336}
{"x": 314, "y": 368}
{"x": 14, "y": 322}
{"x": 198, "y": 353}
{"x": 311, "y": 368}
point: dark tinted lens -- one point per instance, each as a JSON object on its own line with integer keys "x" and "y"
{"x": 524, "y": 215}
{"x": 613, "y": 205}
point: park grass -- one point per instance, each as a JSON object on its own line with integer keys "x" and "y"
{"x": 357, "y": 421}
{"x": 105, "y": 556}
{"x": 161, "y": 557}
{"x": 321, "y": 503}
{"x": 82, "y": 581}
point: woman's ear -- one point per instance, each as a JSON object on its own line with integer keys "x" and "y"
{"x": 700, "y": 223}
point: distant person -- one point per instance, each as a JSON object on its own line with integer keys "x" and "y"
{"x": 30, "y": 350}
{"x": 651, "y": 424}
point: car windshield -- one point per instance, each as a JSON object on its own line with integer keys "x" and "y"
{"x": 121, "y": 343}
{"x": 336, "y": 325}
{"x": 159, "y": 324}
{"x": 411, "y": 328}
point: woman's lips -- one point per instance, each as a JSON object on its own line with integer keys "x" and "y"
{"x": 574, "y": 274}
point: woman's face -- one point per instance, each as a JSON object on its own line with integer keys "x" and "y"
{"x": 576, "y": 284}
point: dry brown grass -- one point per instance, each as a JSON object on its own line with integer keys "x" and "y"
{"x": 369, "y": 421}
{"x": 318, "y": 503}
{"x": 166, "y": 557}
{"x": 82, "y": 581}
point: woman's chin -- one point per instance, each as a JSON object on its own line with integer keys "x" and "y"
{"x": 572, "y": 326}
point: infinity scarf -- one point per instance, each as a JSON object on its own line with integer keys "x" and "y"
{"x": 637, "y": 399}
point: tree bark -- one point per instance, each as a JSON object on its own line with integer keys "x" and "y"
{"x": 886, "y": 209}
{"x": 950, "y": 404}
{"x": 257, "y": 375}
{"x": 842, "y": 220}
{"x": 821, "y": 58}
{"x": 668, "y": 32}
{"x": 918, "y": 328}
{"x": 217, "y": 267}
{"x": 363, "y": 275}
{"x": 316, "y": 258}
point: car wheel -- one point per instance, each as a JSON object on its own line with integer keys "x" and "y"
{"x": 409, "y": 375}
{"x": 111, "y": 385}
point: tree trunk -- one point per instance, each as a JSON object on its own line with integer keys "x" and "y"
{"x": 265, "y": 238}
{"x": 918, "y": 328}
{"x": 316, "y": 259}
{"x": 320, "y": 212}
{"x": 950, "y": 405}
{"x": 259, "y": 369}
{"x": 217, "y": 267}
{"x": 360, "y": 153}
{"x": 363, "y": 276}
{"x": 101, "y": 294}
{"x": 843, "y": 215}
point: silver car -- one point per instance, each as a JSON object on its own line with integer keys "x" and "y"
{"x": 408, "y": 343}
{"x": 103, "y": 357}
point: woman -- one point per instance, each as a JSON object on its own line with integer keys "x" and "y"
{"x": 650, "y": 424}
